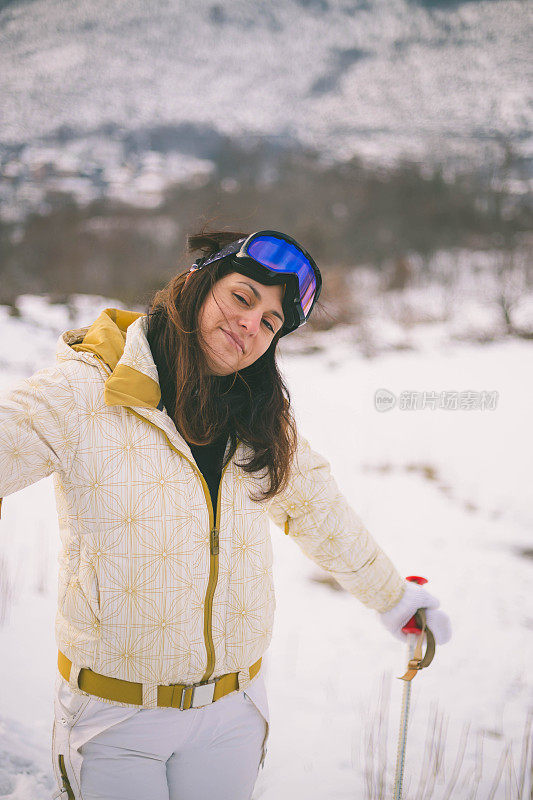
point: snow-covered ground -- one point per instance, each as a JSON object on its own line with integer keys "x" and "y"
{"x": 447, "y": 495}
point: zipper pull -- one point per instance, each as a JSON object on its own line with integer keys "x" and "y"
{"x": 214, "y": 542}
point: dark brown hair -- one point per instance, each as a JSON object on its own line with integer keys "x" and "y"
{"x": 251, "y": 406}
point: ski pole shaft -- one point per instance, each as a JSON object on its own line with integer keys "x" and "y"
{"x": 404, "y": 718}
{"x": 410, "y": 628}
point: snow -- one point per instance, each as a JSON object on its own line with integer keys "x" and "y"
{"x": 445, "y": 492}
{"x": 383, "y": 80}
{"x": 353, "y": 73}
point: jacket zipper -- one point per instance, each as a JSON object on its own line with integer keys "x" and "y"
{"x": 214, "y": 546}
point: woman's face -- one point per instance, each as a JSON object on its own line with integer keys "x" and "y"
{"x": 238, "y": 320}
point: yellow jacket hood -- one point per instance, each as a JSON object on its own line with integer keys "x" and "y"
{"x": 117, "y": 340}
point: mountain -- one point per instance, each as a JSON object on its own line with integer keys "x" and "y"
{"x": 439, "y": 81}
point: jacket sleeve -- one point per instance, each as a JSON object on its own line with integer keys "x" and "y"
{"x": 38, "y": 429}
{"x": 315, "y": 513}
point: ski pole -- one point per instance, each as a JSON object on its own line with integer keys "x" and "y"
{"x": 415, "y": 627}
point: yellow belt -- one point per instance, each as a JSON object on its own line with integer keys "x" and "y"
{"x": 176, "y": 695}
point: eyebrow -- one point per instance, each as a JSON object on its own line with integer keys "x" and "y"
{"x": 256, "y": 293}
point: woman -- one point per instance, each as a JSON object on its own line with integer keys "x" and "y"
{"x": 170, "y": 435}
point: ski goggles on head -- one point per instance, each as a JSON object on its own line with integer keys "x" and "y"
{"x": 272, "y": 257}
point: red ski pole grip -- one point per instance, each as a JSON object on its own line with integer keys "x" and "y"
{"x": 412, "y": 626}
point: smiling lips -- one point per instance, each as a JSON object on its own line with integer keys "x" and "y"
{"x": 235, "y": 339}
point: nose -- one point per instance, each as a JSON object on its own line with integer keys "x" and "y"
{"x": 250, "y": 320}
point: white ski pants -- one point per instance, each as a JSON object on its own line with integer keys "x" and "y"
{"x": 115, "y": 753}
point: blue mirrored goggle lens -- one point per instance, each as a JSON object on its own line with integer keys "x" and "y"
{"x": 281, "y": 256}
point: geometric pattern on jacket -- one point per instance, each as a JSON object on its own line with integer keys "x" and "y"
{"x": 143, "y": 595}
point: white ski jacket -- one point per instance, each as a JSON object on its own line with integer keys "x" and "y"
{"x": 156, "y": 586}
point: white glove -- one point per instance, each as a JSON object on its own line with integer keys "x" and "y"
{"x": 415, "y": 597}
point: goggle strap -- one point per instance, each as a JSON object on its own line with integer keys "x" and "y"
{"x": 228, "y": 250}
{"x": 198, "y": 264}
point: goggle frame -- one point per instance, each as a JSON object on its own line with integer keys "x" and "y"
{"x": 239, "y": 251}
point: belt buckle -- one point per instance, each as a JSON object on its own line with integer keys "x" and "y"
{"x": 201, "y": 694}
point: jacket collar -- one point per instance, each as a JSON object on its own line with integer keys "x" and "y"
{"x": 118, "y": 339}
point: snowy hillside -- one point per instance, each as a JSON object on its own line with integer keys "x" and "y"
{"x": 445, "y": 492}
{"x": 340, "y": 75}
{"x": 85, "y": 87}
